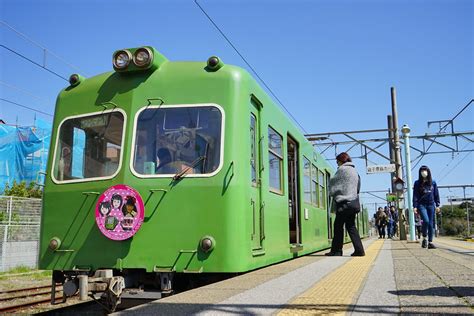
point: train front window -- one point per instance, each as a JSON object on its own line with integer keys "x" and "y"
{"x": 178, "y": 139}
{"x": 89, "y": 147}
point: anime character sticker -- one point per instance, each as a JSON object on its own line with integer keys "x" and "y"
{"x": 116, "y": 201}
{"x": 119, "y": 212}
{"x": 105, "y": 208}
{"x": 129, "y": 207}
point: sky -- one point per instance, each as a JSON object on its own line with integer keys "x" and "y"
{"x": 331, "y": 63}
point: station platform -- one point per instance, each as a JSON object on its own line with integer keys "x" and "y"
{"x": 395, "y": 277}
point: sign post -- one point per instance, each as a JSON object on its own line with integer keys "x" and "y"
{"x": 411, "y": 215}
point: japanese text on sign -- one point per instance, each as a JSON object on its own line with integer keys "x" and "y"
{"x": 381, "y": 168}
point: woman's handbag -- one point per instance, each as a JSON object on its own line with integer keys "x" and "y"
{"x": 352, "y": 206}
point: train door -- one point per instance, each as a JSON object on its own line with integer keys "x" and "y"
{"x": 256, "y": 167}
{"x": 293, "y": 192}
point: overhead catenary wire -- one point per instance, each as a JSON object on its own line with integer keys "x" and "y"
{"x": 26, "y": 107}
{"x": 441, "y": 129}
{"x": 45, "y": 49}
{"x": 447, "y": 165}
{"x": 26, "y": 92}
{"x": 467, "y": 155}
{"x": 249, "y": 65}
{"x": 33, "y": 62}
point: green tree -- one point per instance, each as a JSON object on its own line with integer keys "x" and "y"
{"x": 453, "y": 219}
{"x": 32, "y": 190}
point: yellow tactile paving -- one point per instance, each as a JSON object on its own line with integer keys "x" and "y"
{"x": 336, "y": 292}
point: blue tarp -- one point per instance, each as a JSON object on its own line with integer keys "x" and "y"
{"x": 24, "y": 153}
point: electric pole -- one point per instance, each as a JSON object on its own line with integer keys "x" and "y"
{"x": 398, "y": 163}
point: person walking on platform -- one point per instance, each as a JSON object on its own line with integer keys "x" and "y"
{"x": 381, "y": 221}
{"x": 344, "y": 188}
{"x": 389, "y": 224}
{"x": 375, "y": 222}
{"x": 394, "y": 215}
{"x": 418, "y": 222}
{"x": 425, "y": 201}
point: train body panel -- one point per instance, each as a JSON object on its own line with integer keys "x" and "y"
{"x": 256, "y": 203}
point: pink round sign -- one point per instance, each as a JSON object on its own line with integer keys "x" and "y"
{"x": 119, "y": 212}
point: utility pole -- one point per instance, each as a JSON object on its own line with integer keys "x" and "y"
{"x": 398, "y": 162}
{"x": 391, "y": 148}
{"x": 467, "y": 211}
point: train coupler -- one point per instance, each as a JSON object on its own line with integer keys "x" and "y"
{"x": 102, "y": 281}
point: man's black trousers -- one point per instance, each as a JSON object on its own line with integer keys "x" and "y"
{"x": 347, "y": 219}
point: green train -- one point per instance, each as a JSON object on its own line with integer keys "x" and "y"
{"x": 160, "y": 170}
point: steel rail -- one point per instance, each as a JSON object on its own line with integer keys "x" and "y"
{"x": 16, "y": 307}
{"x": 25, "y": 289}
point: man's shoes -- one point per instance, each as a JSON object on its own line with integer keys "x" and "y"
{"x": 358, "y": 254}
{"x": 431, "y": 246}
{"x": 333, "y": 254}
{"x": 424, "y": 244}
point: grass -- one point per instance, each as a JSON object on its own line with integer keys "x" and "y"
{"x": 26, "y": 271}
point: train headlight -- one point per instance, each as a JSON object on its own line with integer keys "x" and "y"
{"x": 214, "y": 63}
{"x": 54, "y": 243}
{"x": 207, "y": 243}
{"x": 121, "y": 59}
{"x": 75, "y": 79}
{"x": 142, "y": 57}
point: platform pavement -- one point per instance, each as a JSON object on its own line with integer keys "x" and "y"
{"x": 396, "y": 277}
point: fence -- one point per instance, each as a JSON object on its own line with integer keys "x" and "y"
{"x": 19, "y": 232}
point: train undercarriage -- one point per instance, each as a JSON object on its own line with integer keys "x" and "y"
{"x": 107, "y": 287}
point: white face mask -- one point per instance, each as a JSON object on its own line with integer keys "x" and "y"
{"x": 424, "y": 173}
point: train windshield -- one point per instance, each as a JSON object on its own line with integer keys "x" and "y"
{"x": 178, "y": 140}
{"x": 89, "y": 147}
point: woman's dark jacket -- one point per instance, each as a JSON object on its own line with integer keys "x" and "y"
{"x": 427, "y": 195}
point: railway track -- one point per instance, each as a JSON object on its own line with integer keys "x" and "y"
{"x": 18, "y": 299}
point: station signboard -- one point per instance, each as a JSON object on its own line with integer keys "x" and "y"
{"x": 381, "y": 168}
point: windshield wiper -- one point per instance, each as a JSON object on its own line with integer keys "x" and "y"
{"x": 181, "y": 174}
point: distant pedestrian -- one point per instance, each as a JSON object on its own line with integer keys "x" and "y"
{"x": 375, "y": 222}
{"x": 425, "y": 201}
{"x": 381, "y": 222}
{"x": 418, "y": 223}
{"x": 389, "y": 224}
{"x": 344, "y": 188}
{"x": 394, "y": 214}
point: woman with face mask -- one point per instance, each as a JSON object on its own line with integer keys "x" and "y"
{"x": 425, "y": 202}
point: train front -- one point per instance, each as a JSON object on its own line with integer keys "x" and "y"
{"x": 136, "y": 177}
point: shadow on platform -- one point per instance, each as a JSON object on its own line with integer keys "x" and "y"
{"x": 459, "y": 291}
{"x": 256, "y": 309}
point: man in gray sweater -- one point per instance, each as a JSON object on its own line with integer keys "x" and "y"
{"x": 344, "y": 188}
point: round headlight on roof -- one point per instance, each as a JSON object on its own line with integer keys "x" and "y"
{"x": 143, "y": 57}
{"x": 121, "y": 59}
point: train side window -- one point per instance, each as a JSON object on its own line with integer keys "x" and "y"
{"x": 314, "y": 185}
{"x": 275, "y": 159}
{"x": 322, "y": 190}
{"x": 307, "y": 180}
{"x": 253, "y": 149}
